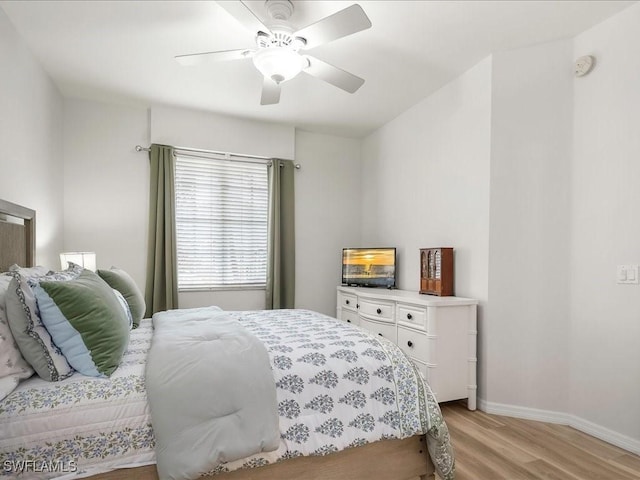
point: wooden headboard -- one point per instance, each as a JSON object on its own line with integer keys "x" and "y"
{"x": 17, "y": 235}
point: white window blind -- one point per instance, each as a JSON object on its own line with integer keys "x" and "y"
{"x": 221, "y": 222}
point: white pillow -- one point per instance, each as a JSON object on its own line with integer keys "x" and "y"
{"x": 38, "y": 270}
{"x": 13, "y": 367}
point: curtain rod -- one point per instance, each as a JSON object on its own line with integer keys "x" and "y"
{"x": 226, "y": 154}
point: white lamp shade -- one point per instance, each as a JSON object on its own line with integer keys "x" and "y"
{"x": 279, "y": 63}
{"x": 84, "y": 259}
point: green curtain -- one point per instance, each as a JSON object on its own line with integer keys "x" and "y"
{"x": 281, "y": 237}
{"x": 161, "y": 292}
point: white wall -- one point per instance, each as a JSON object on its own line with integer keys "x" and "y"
{"x": 209, "y": 131}
{"x": 605, "y": 228}
{"x": 327, "y": 215}
{"x": 564, "y": 177}
{"x": 553, "y": 196}
{"x": 106, "y": 194}
{"x": 425, "y": 183}
{"x": 31, "y": 139}
{"x": 527, "y": 328}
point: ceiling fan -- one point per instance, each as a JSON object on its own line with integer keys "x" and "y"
{"x": 278, "y": 52}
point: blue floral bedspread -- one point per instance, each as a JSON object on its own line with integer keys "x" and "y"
{"x": 337, "y": 387}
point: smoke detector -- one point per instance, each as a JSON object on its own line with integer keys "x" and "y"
{"x": 583, "y": 65}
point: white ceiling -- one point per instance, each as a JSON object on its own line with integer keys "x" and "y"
{"x": 123, "y": 51}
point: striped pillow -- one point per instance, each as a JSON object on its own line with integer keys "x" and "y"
{"x": 30, "y": 334}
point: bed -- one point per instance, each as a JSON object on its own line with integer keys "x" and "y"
{"x": 101, "y": 428}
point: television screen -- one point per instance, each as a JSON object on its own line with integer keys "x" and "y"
{"x": 369, "y": 267}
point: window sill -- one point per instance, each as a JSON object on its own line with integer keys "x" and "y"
{"x": 225, "y": 288}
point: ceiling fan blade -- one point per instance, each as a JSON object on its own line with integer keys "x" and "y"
{"x": 244, "y": 15}
{"x": 210, "y": 57}
{"x": 270, "y": 92}
{"x": 333, "y": 75}
{"x": 345, "y": 22}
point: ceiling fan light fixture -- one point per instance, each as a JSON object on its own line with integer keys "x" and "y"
{"x": 278, "y": 45}
{"x": 279, "y": 63}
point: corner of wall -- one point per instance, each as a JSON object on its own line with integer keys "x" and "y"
{"x": 31, "y": 130}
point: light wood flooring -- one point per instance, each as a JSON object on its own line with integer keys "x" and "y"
{"x": 492, "y": 447}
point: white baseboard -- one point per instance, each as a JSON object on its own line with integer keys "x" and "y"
{"x": 598, "y": 431}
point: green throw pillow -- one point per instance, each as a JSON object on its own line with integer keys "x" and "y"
{"x": 87, "y": 322}
{"x": 121, "y": 281}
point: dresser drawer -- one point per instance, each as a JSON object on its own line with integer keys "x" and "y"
{"x": 346, "y": 300}
{"x": 422, "y": 368}
{"x": 415, "y": 344}
{"x": 377, "y": 310}
{"x": 412, "y": 315}
{"x": 385, "y": 330}
{"x": 429, "y": 374}
{"x": 349, "y": 317}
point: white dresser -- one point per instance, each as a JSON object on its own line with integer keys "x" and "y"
{"x": 438, "y": 333}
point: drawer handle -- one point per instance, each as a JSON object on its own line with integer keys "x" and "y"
{"x": 357, "y": 305}
{"x": 380, "y": 334}
{"x": 410, "y": 343}
{"x": 409, "y": 316}
{"x": 347, "y": 302}
{"x": 348, "y": 321}
{"x": 379, "y": 311}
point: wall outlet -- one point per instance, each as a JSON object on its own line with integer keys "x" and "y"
{"x": 627, "y": 274}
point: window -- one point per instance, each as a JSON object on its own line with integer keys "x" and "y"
{"x": 221, "y": 222}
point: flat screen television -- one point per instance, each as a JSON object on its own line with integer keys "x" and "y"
{"x": 369, "y": 267}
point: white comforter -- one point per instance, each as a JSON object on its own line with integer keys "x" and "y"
{"x": 211, "y": 392}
